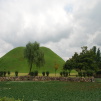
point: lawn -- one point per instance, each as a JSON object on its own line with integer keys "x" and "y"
{"x": 52, "y": 91}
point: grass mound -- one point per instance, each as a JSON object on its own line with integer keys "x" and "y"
{"x": 14, "y": 61}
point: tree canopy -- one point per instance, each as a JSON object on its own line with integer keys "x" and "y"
{"x": 34, "y": 55}
{"x": 86, "y": 60}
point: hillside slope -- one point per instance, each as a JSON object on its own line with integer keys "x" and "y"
{"x": 14, "y": 60}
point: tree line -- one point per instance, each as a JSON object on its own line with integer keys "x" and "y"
{"x": 88, "y": 60}
{"x": 85, "y": 61}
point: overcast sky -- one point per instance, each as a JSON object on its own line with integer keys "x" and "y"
{"x": 64, "y": 26}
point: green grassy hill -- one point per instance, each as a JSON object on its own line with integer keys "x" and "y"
{"x": 15, "y": 61}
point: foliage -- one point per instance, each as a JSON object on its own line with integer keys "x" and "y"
{"x": 86, "y": 60}
{"x": 16, "y": 73}
{"x": 64, "y": 73}
{"x": 1, "y": 73}
{"x": 31, "y": 73}
{"x": 87, "y": 73}
{"x": 43, "y": 73}
{"x": 47, "y": 73}
{"x": 34, "y": 55}
{"x": 36, "y": 73}
{"x": 90, "y": 73}
{"x": 8, "y": 73}
{"x": 4, "y": 73}
{"x": 51, "y": 91}
{"x": 61, "y": 73}
{"x": 98, "y": 72}
{"x": 80, "y": 74}
{"x": 69, "y": 65}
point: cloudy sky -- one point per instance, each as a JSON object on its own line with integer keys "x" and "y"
{"x": 62, "y": 25}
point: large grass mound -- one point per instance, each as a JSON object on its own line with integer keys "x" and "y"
{"x": 14, "y": 61}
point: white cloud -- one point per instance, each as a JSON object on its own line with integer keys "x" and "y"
{"x": 64, "y": 26}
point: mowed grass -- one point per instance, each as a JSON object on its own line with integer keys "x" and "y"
{"x": 51, "y": 91}
{"x": 14, "y": 61}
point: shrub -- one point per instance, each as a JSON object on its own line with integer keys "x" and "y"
{"x": 16, "y": 73}
{"x": 47, "y": 73}
{"x": 84, "y": 74}
{"x": 98, "y": 73}
{"x": 8, "y": 73}
{"x": 80, "y": 74}
{"x": 66, "y": 74}
{"x": 1, "y": 73}
{"x": 31, "y": 73}
{"x": 61, "y": 73}
{"x": 90, "y": 73}
{"x": 43, "y": 73}
{"x": 4, "y": 73}
{"x": 36, "y": 73}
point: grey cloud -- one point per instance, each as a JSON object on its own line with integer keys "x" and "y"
{"x": 97, "y": 39}
{"x": 64, "y": 26}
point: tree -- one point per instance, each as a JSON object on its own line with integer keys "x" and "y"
{"x": 34, "y": 55}
{"x": 69, "y": 65}
{"x": 97, "y": 56}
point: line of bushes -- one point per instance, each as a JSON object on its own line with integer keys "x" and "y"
{"x": 35, "y": 73}
{"x": 64, "y": 73}
{"x": 4, "y": 73}
{"x": 86, "y": 74}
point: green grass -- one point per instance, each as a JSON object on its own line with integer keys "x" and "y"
{"x": 15, "y": 61}
{"x": 51, "y": 91}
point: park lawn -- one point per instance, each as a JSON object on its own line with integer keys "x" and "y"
{"x": 51, "y": 91}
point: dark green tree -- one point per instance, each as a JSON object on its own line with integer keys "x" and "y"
{"x": 34, "y": 55}
{"x": 69, "y": 65}
{"x": 87, "y": 59}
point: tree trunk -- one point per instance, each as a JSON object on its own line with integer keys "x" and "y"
{"x": 55, "y": 72}
{"x": 30, "y": 68}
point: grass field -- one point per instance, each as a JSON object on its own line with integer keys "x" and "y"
{"x": 52, "y": 91}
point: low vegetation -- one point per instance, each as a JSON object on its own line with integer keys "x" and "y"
{"x": 51, "y": 91}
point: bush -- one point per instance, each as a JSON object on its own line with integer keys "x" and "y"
{"x": 36, "y": 73}
{"x": 4, "y": 73}
{"x": 31, "y": 73}
{"x": 43, "y": 73}
{"x": 84, "y": 74}
{"x": 8, "y": 73}
{"x": 98, "y": 73}
{"x": 47, "y": 73}
{"x": 66, "y": 74}
{"x": 16, "y": 73}
{"x": 1, "y": 73}
{"x": 90, "y": 73}
{"x": 80, "y": 74}
{"x": 61, "y": 73}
